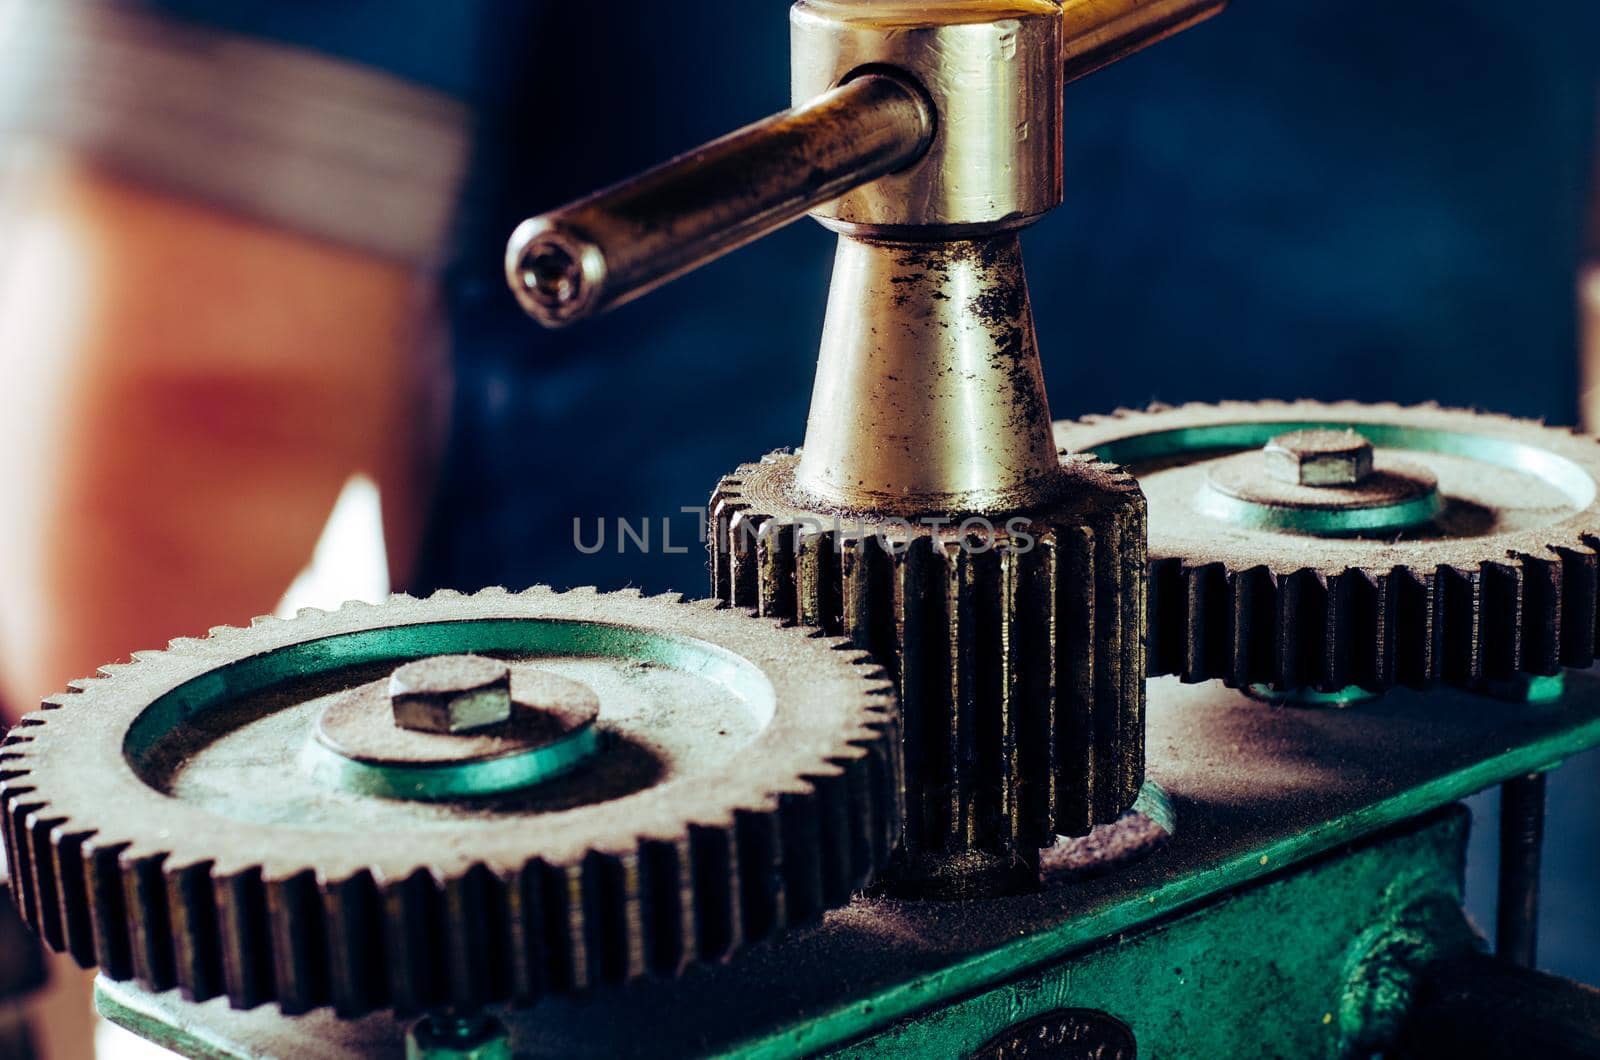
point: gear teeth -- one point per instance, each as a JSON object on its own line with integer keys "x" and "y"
{"x": 192, "y": 906}
{"x": 469, "y": 938}
{"x": 1580, "y": 577}
{"x": 298, "y": 937}
{"x": 77, "y": 929}
{"x": 1542, "y": 613}
{"x": 150, "y": 935}
{"x": 666, "y": 912}
{"x": 1460, "y": 612}
{"x": 1488, "y": 610}
{"x": 243, "y": 937}
{"x": 108, "y": 919}
{"x": 716, "y": 877}
{"x": 37, "y": 877}
{"x": 1021, "y": 673}
{"x": 545, "y": 946}
{"x": 358, "y": 959}
{"x": 1502, "y": 620}
{"x": 20, "y": 859}
{"x": 477, "y": 962}
{"x": 1302, "y": 621}
{"x": 411, "y": 944}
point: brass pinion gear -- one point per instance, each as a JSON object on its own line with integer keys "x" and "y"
{"x": 161, "y": 823}
{"x": 1017, "y": 654}
{"x": 1463, "y": 550}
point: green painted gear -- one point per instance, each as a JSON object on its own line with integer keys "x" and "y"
{"x": 158, "y": 826}
{"x": 1502, "y": 582}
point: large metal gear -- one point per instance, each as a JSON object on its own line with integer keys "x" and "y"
{"x": 1018, "y": 654}
{"x": 1466, "y": 554}
{"x": 163, "y": 822}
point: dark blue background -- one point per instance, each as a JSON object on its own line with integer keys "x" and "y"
{"x": 1322, "y": 198}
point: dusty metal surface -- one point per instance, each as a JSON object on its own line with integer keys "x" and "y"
{"x": 929, "y": 398}
{"x": 1501, "y": 582}
{"x": 993, "y": 74}
{"x": 160, "y": 826}
{"x": 450, "y": 694}
{"x": 1255, "y": 795}
{"x": 1019, "y": 663}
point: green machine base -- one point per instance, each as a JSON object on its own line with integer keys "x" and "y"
{"x": 1303, "y": 843}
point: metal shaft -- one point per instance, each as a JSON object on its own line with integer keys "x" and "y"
{"x": 1101, "y": 32}
{"x": 1521, "y": 845}
{"x": 619, "y": 243}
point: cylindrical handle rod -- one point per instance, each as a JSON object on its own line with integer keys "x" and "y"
{"x": 617, "y": 244}
{"x": 1101, "y": 32}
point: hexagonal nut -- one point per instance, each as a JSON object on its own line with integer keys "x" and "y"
{"x": 1319, "y": 457}
{"x": 451, "y": 694}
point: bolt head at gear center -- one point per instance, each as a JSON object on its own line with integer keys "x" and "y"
{"x": 1319, "y": 457}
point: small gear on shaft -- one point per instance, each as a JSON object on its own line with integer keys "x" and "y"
{"x": 1015, "y": 642}
{"x": 205, "y": 817}
{"x": 1302, "y": 545}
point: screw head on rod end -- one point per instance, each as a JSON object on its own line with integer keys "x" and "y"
{"x": 557, "y": 275}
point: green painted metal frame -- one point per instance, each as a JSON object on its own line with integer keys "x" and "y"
{"x": 1180, "y": 985}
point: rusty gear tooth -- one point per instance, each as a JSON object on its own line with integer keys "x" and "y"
{"x": 65, "y": 853}
{"x": 20, "y": 855}
{"x": 666, "y": 915}
{"x": 715, "y": 872}
{"x": 1542, "y": 613}
{"x": 243, "y": 936}
{"x": 1504, "y": 621}
{"x": 144, "y": 894}
{"x": 1302, "y": 630}
{"x": 297, "y": 935}
{"x": 1252, "y": 607}
{"x": 211, "y": 917}
{"x": 478, "y": 911}
{"x": 1580, "y": 590}
{"x": 35, "y": 871}
{"x": 191, "y": 904}
{"x": 1257, "y": 626}
{"x": 357, "y": 955}
{"x": 1020, "y": 672}
{"x": 1347, "y": 612}
{"x": 1461, "y": 634}
{"x": 108, "y": 913}
{"x": 410, "y": 921}
{"x": 756, "y": 845}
